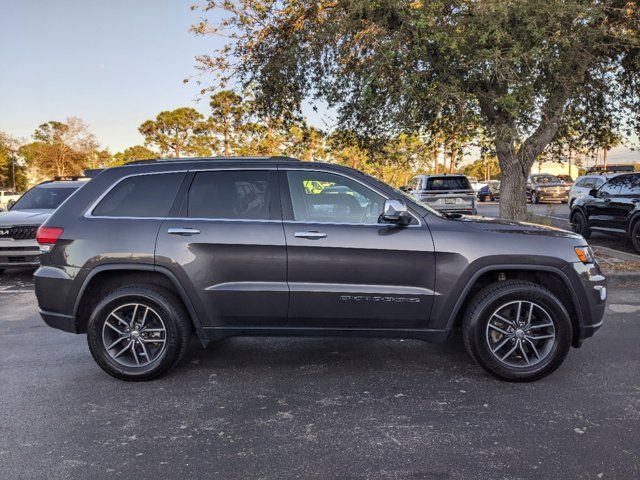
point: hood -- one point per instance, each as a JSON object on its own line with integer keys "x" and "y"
{"x": 498, "y": 225}
{"x": 24, "y": 217}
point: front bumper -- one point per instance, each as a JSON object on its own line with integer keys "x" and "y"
{"x": 592, "y": 298}
{"x": 19, "y": 253}
{"x": 552, "y": 197}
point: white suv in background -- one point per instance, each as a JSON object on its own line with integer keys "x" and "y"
{"x": 584, "y": 184}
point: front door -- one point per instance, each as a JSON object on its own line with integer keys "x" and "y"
{"x": 601, "y": 209}
{"x": 228, "y": 246}
{"x": 346, "y": 270}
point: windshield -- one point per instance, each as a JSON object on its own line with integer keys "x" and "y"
{"x": 448, "y": 183}
{"x": 545, "y": 179}
{"x": 43, "y": 198}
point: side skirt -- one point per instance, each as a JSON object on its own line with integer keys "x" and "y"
{"x": 210, "y": 334}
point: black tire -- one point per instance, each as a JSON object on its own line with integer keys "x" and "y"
{"x": 534, "y": 198}
{"x": 480, "y": 311}
{"x": 580, "y": 225}
{"x": 482, "y": 199}
{"x": 166, "y": 306}
{"x": 635, "y": 235}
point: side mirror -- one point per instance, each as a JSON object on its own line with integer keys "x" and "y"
{"x": 593, "y": 192}
{"x": 10, "y": 204}
{"x": 395, "y": 211}
{"x": 405, "y": 188}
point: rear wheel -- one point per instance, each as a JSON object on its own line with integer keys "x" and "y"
{"x": 580, "y": 225}
{"x": 138, "y": 332}
{"x": 517, "y": 330}
{"x": 635, "y": 235}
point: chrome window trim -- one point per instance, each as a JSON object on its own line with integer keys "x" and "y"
{"x": 88, "y": 212}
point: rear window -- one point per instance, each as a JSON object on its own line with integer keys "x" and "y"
{"x": 235, "y": 195}
{"x": 448, "y": 183}
{"x": 43, "y": 198}
{"x": 141, "y": 196}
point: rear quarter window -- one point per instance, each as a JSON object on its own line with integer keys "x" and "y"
{"x": 141, "y": 196}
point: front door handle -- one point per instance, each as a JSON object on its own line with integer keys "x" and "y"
{"x": 183, "y": 231}
{"x": 311, "y": 235}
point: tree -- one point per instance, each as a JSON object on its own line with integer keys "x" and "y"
{"x": 178, "y": 133}
{"x": 227, "y": 112}
{"x": 12, "y": 168}
{"x": 137, "y": 152}
{"x": 60, "y": 148}
{"x": 390, "y": 66}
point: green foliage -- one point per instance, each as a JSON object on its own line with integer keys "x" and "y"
{"x": 12, "y": 169}
{"x": 517, "y": 68}
{"x": 179, "y": 132}
{"x": 137, "y": 152}
{"x": 61, "y": 149}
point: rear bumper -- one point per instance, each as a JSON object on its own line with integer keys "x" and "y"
{"x": 54, "y": 288}
{"x": 60, "y": 321}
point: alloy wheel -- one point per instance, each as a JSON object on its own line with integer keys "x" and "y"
{"x": 520, "y": 334}
{"x": 134, "y": 335}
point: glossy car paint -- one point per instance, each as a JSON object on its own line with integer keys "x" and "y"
{"x": 257, "y": 277}
{"x": 613, "y": 212}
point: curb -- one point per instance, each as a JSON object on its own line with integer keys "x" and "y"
{"x": 629, "y": 257}
{"x": 622, "y": 278}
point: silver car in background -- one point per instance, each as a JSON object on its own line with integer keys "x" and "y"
{"x": 18, "y": 226}
{"x": 584, "y": 184}
{"x": 445, "y": 193}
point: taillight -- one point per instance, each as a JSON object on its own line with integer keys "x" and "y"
{"x": 47, "y": 237}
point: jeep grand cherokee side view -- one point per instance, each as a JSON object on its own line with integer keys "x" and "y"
{"x": 148, "y": 252}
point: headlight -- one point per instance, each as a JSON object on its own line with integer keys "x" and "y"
{"x": 584, "y": 254}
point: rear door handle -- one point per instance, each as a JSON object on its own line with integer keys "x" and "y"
{"x": 183, "y": 231}
{"x": 310, "y": 235}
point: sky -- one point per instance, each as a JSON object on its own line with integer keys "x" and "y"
{"x": 112, "y": 63}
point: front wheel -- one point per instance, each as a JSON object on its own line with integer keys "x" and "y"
{"x": 517, "y": 330}
{"x": 138, "y": 332}
{"x": 534, "y": 198}
{"x": 635, "y": 236}
{"x": 580, "y": 225}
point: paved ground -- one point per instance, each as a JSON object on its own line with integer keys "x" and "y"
{"x": 315, "y": 408}
{"x": 558, "y": 215}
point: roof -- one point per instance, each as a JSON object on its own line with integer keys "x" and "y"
{"x": 277, "y": 159}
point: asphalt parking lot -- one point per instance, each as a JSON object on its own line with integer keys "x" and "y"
{"x": 557, "y": 214}
{"x": 279, "y": 408}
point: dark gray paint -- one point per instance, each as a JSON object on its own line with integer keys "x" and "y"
{"x": 248, "y": 277}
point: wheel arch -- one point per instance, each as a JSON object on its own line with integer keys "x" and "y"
{"x": 105, "y": 277}
{"x": 550, "y": 277}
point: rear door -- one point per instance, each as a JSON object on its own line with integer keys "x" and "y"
{"x": 227, "y": 244}
{"x": 626, "y": 201}
{"x": 346, "y": 270}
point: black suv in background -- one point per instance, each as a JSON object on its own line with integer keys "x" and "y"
{"x": 613, "y": 208}
{"x": 146, "y": 253}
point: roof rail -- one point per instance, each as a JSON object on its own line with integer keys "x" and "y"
{"x": 611, "y": 169}
{"x": 275, "y": 158}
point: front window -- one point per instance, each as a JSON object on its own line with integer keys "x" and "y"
{"x": 327, "y": 197}
{"x": 545, "y": 179}
{"x": 43, "y": 198}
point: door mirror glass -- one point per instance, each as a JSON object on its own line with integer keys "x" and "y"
{"x": 593, "y": 192}
{"x": 395, "y": 211}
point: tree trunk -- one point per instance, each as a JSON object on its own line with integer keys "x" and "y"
{"x": 513, "y": 196}
{"x": 605, "y": 152}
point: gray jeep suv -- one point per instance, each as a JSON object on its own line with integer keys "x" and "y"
{"x": 148, "y": 252}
